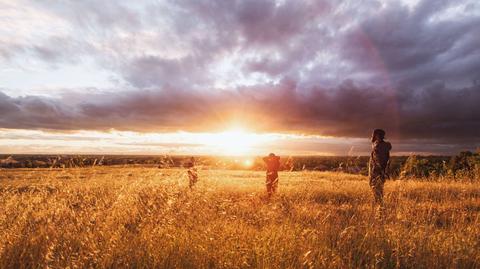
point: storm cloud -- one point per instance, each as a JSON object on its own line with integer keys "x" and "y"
{"x": 349, "y": 110}
{"x": 336, "y": 68}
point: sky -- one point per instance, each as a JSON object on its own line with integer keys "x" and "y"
{"x": 225, "y": 77}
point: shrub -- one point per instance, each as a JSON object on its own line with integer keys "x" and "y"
{"x": 419, "y": 167}
{"x": 465, "y": 165}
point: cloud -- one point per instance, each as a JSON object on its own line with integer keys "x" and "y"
{"x": 435, "y": 112}
{"x": 184, "y": 43}
{"x": 416, "y": 47}
{"x": 322, "y": 67}
{"x": 34, "y": 112}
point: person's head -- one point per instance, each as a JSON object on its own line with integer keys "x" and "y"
{"x": 271, "y": 155}
{"x": 378, "y": 135}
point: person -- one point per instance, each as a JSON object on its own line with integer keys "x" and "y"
{"x": 378, "y": 165}
{"x": 273, "y": 164}
{"x": 192, "y": 172}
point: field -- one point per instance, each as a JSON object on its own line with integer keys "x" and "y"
{"x": 148, "y": 217}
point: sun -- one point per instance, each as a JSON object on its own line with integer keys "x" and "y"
{"x": 248, "y": 163}
{"x": 231, "y": 142}
{"x": 235, "y": 142}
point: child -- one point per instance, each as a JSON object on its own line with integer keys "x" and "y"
{"x": 273, "y": 164}
{"x": 192, "y": 172}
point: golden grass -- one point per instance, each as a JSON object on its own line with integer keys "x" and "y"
{"x": 144, "y": 217}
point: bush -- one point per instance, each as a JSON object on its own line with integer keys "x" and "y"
{"x": 422, "y": 167}
{"x": 465, "y": 165}
{"x": 415, "y": 167}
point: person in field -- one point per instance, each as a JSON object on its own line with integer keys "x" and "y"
{"x": 378, "y": 164}
{"x": 192, "y": 172}
{"x": 273, "y": 164}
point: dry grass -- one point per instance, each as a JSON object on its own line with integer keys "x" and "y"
{"x": 140, "y": 217}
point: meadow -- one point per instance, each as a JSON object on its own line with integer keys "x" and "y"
{"x": 139, "y": 217}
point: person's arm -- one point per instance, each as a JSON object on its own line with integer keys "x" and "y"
{"x": 387, "y": 167}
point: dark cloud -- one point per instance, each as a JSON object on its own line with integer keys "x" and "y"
{"x": 416, "y": 47}
{"x": 435, "y": 112}
{"x": 33, "y": 112}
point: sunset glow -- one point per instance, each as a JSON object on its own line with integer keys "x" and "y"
{"x": 233, "y": 142}
{"x": 248, "y": 163}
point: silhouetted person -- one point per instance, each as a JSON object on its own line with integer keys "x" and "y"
{"x": 378, "y": 164}
{"x": 273, "y": 164}
{"x": 192, "y": 172}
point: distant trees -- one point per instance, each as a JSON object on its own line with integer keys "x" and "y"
{"x": 465, "y": 165}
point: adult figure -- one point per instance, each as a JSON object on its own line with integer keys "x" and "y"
{"x": 378, "y": 164}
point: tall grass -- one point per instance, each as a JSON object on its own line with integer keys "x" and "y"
{"x": 138, "y": 217}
